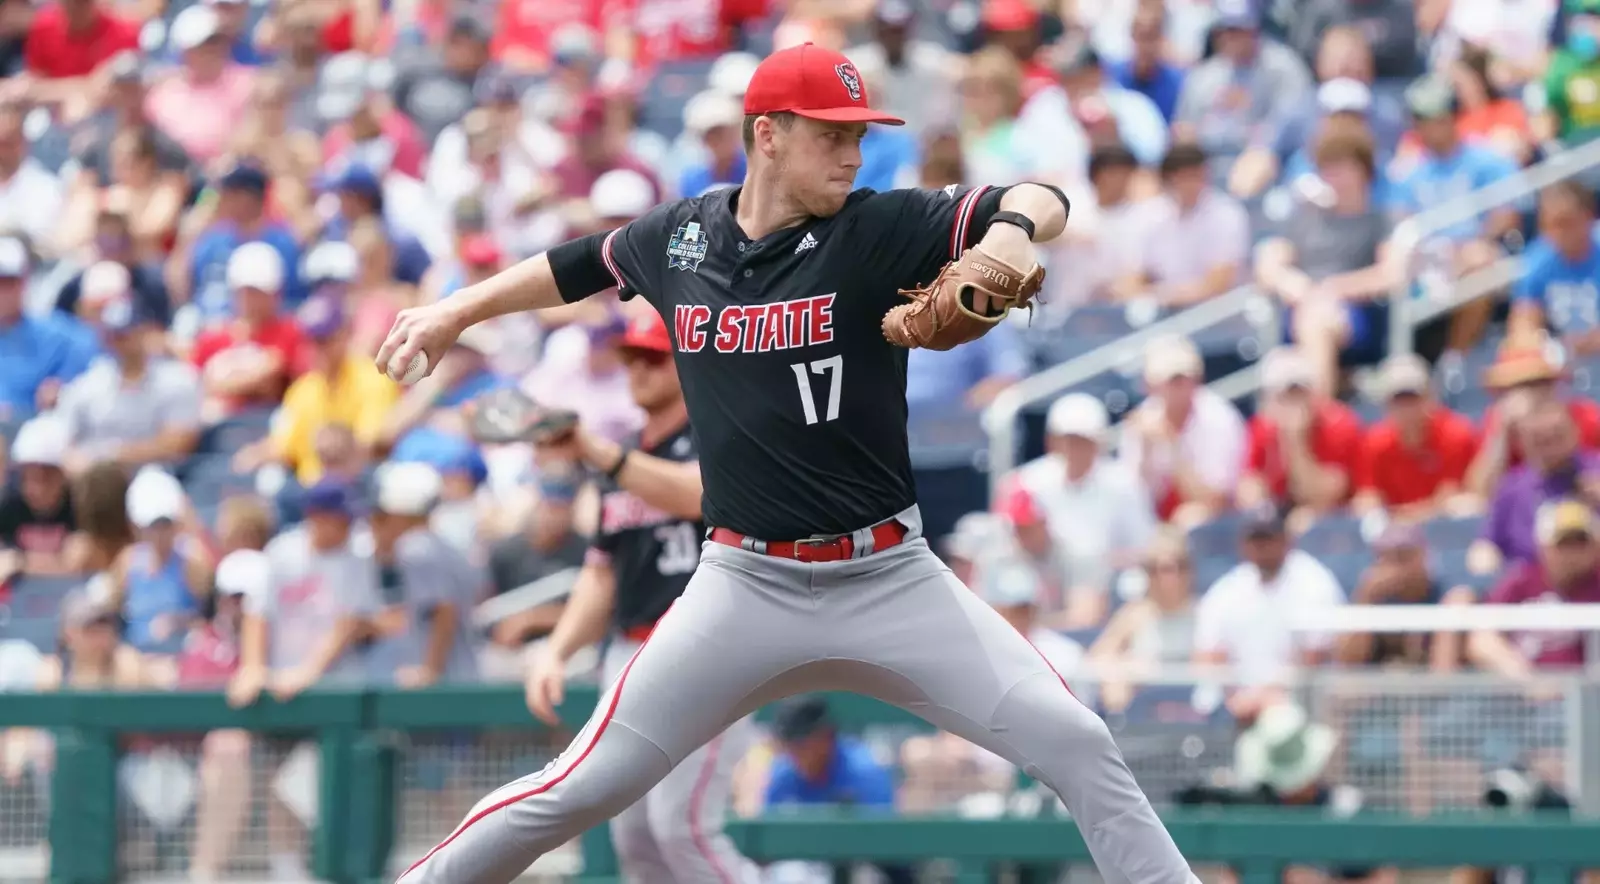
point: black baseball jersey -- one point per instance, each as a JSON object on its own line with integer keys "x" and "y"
{"x": 797, "y": 401}
{"x": 652, "y": 553}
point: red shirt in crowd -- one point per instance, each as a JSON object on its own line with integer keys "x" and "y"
{"x": 1585, "y": 416}
{"x": 1335, "y": 440}
{"x": 55, "y": 52}
{"x": 1527, "y": 582}
{"x": 524, "y": 27}
{"x": 681, "y": 30}
{"x": 1403, "y": 475}
{"x": 281, "y": 336}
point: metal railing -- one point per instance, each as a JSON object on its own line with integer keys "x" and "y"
{"x": 1405, "y": 314}
{"x": 1000, "y": 418}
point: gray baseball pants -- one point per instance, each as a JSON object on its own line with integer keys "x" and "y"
{"x": 751, "y": 629}
{"x": 673, "y": 835}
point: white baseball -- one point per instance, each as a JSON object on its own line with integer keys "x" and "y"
{"x": 415, "y": 371}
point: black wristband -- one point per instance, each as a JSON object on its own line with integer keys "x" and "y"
{"x": 622, "y": 461}
{"x": 1016, "y": 219}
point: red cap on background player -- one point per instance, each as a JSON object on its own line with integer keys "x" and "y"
{"x": 811, "y": 81}
{"x": 647, "y": 332}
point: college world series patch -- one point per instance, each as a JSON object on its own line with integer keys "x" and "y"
{"x": 687, "y": 248}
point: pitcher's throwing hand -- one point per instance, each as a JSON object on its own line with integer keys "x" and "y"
{"x": 430, "y": 330}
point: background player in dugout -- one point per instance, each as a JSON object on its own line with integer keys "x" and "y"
{"x": 816, "y": 576}
{"x": 646, "y": 548}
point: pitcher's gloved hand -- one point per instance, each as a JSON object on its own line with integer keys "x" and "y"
{"x": 971, "y": 295}
{"x": 509, "y": 415}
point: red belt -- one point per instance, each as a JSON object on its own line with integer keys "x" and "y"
{"x": 832, "y": 549}
{"x": 639, "y": 633}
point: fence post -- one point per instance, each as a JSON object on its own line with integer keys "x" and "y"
{"x": 329, "y": 849}
{"x": 83, "y": 807}
{"x": 370, "y": 811}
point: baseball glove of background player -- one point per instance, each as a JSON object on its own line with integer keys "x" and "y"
{"x": 969, "y": 297}
{"x": 509, "y": 415}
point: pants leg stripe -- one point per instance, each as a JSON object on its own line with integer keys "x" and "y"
{"x": 1051, "y": 667}
{"x": 697, "y": 798}
{"x": 611, "y": 709}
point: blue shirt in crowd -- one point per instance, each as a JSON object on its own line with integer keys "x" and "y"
{"x": 1569, "y": 291}
{"x": 208, "y": 266}
{"x": 33, "y": 351}
{"x": 701, "y": 177}
{"x": 885, "y": 151}
{"x": 1162, "y": 87}
{"x": 1439, "y": 180}
{"x": 855, "y": 778}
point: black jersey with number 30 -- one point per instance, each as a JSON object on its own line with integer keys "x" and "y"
{"x": 797, "y": 401}
{"x": 652, "y": 553}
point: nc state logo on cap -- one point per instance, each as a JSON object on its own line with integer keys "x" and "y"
{"x": 851, "y": 78}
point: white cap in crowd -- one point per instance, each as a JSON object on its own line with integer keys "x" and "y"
{"x": 731, "y": 73}
{"x": 154, "y": 495}
{"x": 621, "y": 193}
{"x": 407, "y": 489}
{"x": 255, "y": 265}
{"x": 193, "y": 26}
{"x": 1172, "y": 356}
{"x": 245, "y": 572}
{"x": 1344, "y": 95}
{"x": 1284, "y": 368}
{"x": 105, "y": 281}
{"x": 42, "y": 441}
{"x": 1078, "y": 414}
{"x": 330, "y": 261}
{"x": 13, "y": 258}
{"x": 1403, "y": 373}
{"x": 711, "y": 109}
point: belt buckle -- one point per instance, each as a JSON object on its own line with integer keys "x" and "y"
{"x": 816, "y": 540}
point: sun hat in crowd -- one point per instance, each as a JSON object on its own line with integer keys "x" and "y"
{"x": 1284, "y": 750}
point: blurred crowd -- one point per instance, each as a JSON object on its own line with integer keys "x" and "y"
{"x": 212, "y": 210}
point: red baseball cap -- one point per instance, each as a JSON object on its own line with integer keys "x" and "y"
{"x": 647, "y": 332}
{"x": 480, "y": 250}
{"x": 813, "y": 82}
{"x": 1019, "y": 506}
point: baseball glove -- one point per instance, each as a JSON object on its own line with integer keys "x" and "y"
{"x": 969, "y": 297}
{"x": 509, "y": 415}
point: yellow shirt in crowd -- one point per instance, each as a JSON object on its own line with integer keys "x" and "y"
{"x": 359, "y": 397}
